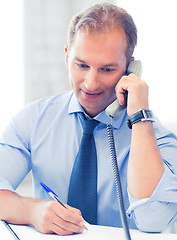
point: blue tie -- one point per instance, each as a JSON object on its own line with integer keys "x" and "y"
{"x": 83, "y": 182}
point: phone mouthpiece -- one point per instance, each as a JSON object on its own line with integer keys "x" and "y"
{"x": 114, "y": 110}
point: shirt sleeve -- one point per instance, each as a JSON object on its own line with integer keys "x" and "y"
{"x": 156, "y": 213}
{"x": 15, "y": 150}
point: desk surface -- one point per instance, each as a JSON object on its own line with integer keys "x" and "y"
{"x": 94, "y": 233}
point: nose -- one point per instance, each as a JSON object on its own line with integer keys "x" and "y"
{"x": 91, "y": 80}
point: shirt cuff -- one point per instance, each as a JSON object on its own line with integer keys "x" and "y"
{"x": 166, "y": 191}
{"x": 134, "y": 203}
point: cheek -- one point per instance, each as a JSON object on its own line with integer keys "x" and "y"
{"x": 74, "y": 77}
{"x": 110, "y": 83}
{"x": 111, "y": 90}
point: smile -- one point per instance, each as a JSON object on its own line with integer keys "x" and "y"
{"x": 91, "y": 94}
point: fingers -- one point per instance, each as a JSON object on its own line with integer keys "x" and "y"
{"x": 122, "y": 87}
{"x": 71, "y": 218}
{"x": 62, "y": 222}
{"x": 137, "y": 93}
{"x": 51, "y": 217}
{"x": 74, "y": 210}
{"x": 125, "y": 83}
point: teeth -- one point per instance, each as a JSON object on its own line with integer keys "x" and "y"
{"x": 92, "y": 93}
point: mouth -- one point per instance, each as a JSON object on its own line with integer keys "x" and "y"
{"x": 91, "y": 95}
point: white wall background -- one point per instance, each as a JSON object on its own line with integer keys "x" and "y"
{"x": 44, "y": 58}
{"x": 157, "y": 48}
{"x": 11, "y": 59}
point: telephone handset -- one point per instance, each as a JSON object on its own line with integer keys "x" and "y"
{"x": 114, "y": 109}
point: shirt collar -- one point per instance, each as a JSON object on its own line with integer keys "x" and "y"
{"x": 75, "y": 106}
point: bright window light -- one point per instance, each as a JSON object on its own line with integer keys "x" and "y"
{"x": 11, "y": 59}
{"x": 157, "y": 38}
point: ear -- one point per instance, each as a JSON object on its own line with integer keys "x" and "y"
{"x": 132, "y": 59}
{"x": 66, "y": 55}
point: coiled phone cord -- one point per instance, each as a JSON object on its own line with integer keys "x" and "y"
{"x": 118, "y": 182}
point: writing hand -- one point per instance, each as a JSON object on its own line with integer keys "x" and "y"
{"x": 51, "y": 217}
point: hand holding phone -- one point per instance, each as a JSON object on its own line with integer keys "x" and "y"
{"x": 114, "y": 109}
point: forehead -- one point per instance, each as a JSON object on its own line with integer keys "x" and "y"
{"x": 107, "y": 46}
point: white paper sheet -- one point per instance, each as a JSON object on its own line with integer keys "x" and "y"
{"x": 93, "y": 233}
{"x": 4, "y": 233}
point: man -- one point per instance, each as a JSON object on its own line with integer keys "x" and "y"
{"x": 46, "y": 135}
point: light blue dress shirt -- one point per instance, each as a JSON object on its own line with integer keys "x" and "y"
{"x": 45, "y": 137}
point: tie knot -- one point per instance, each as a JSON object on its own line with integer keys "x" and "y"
{"x": 89, "y": 126}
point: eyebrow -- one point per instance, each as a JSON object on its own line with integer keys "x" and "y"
{"x": 104, "y": 65}
{"x": 79, "y": 60}
{"x": 111, "y": 65}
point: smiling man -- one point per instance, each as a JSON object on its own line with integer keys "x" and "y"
{"x": 45, "y": 137}
{"x": 94, "y": 73}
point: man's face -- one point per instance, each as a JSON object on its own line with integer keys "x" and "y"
{"x": 95, "y": 64}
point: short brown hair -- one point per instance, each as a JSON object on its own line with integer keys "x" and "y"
{"x": 105, "y": 17}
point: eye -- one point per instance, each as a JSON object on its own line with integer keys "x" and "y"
{"x": 82, "y": 65}
{"x": 107, "y": 70}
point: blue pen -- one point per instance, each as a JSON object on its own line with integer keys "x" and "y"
{"x": 54, "y": 196}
